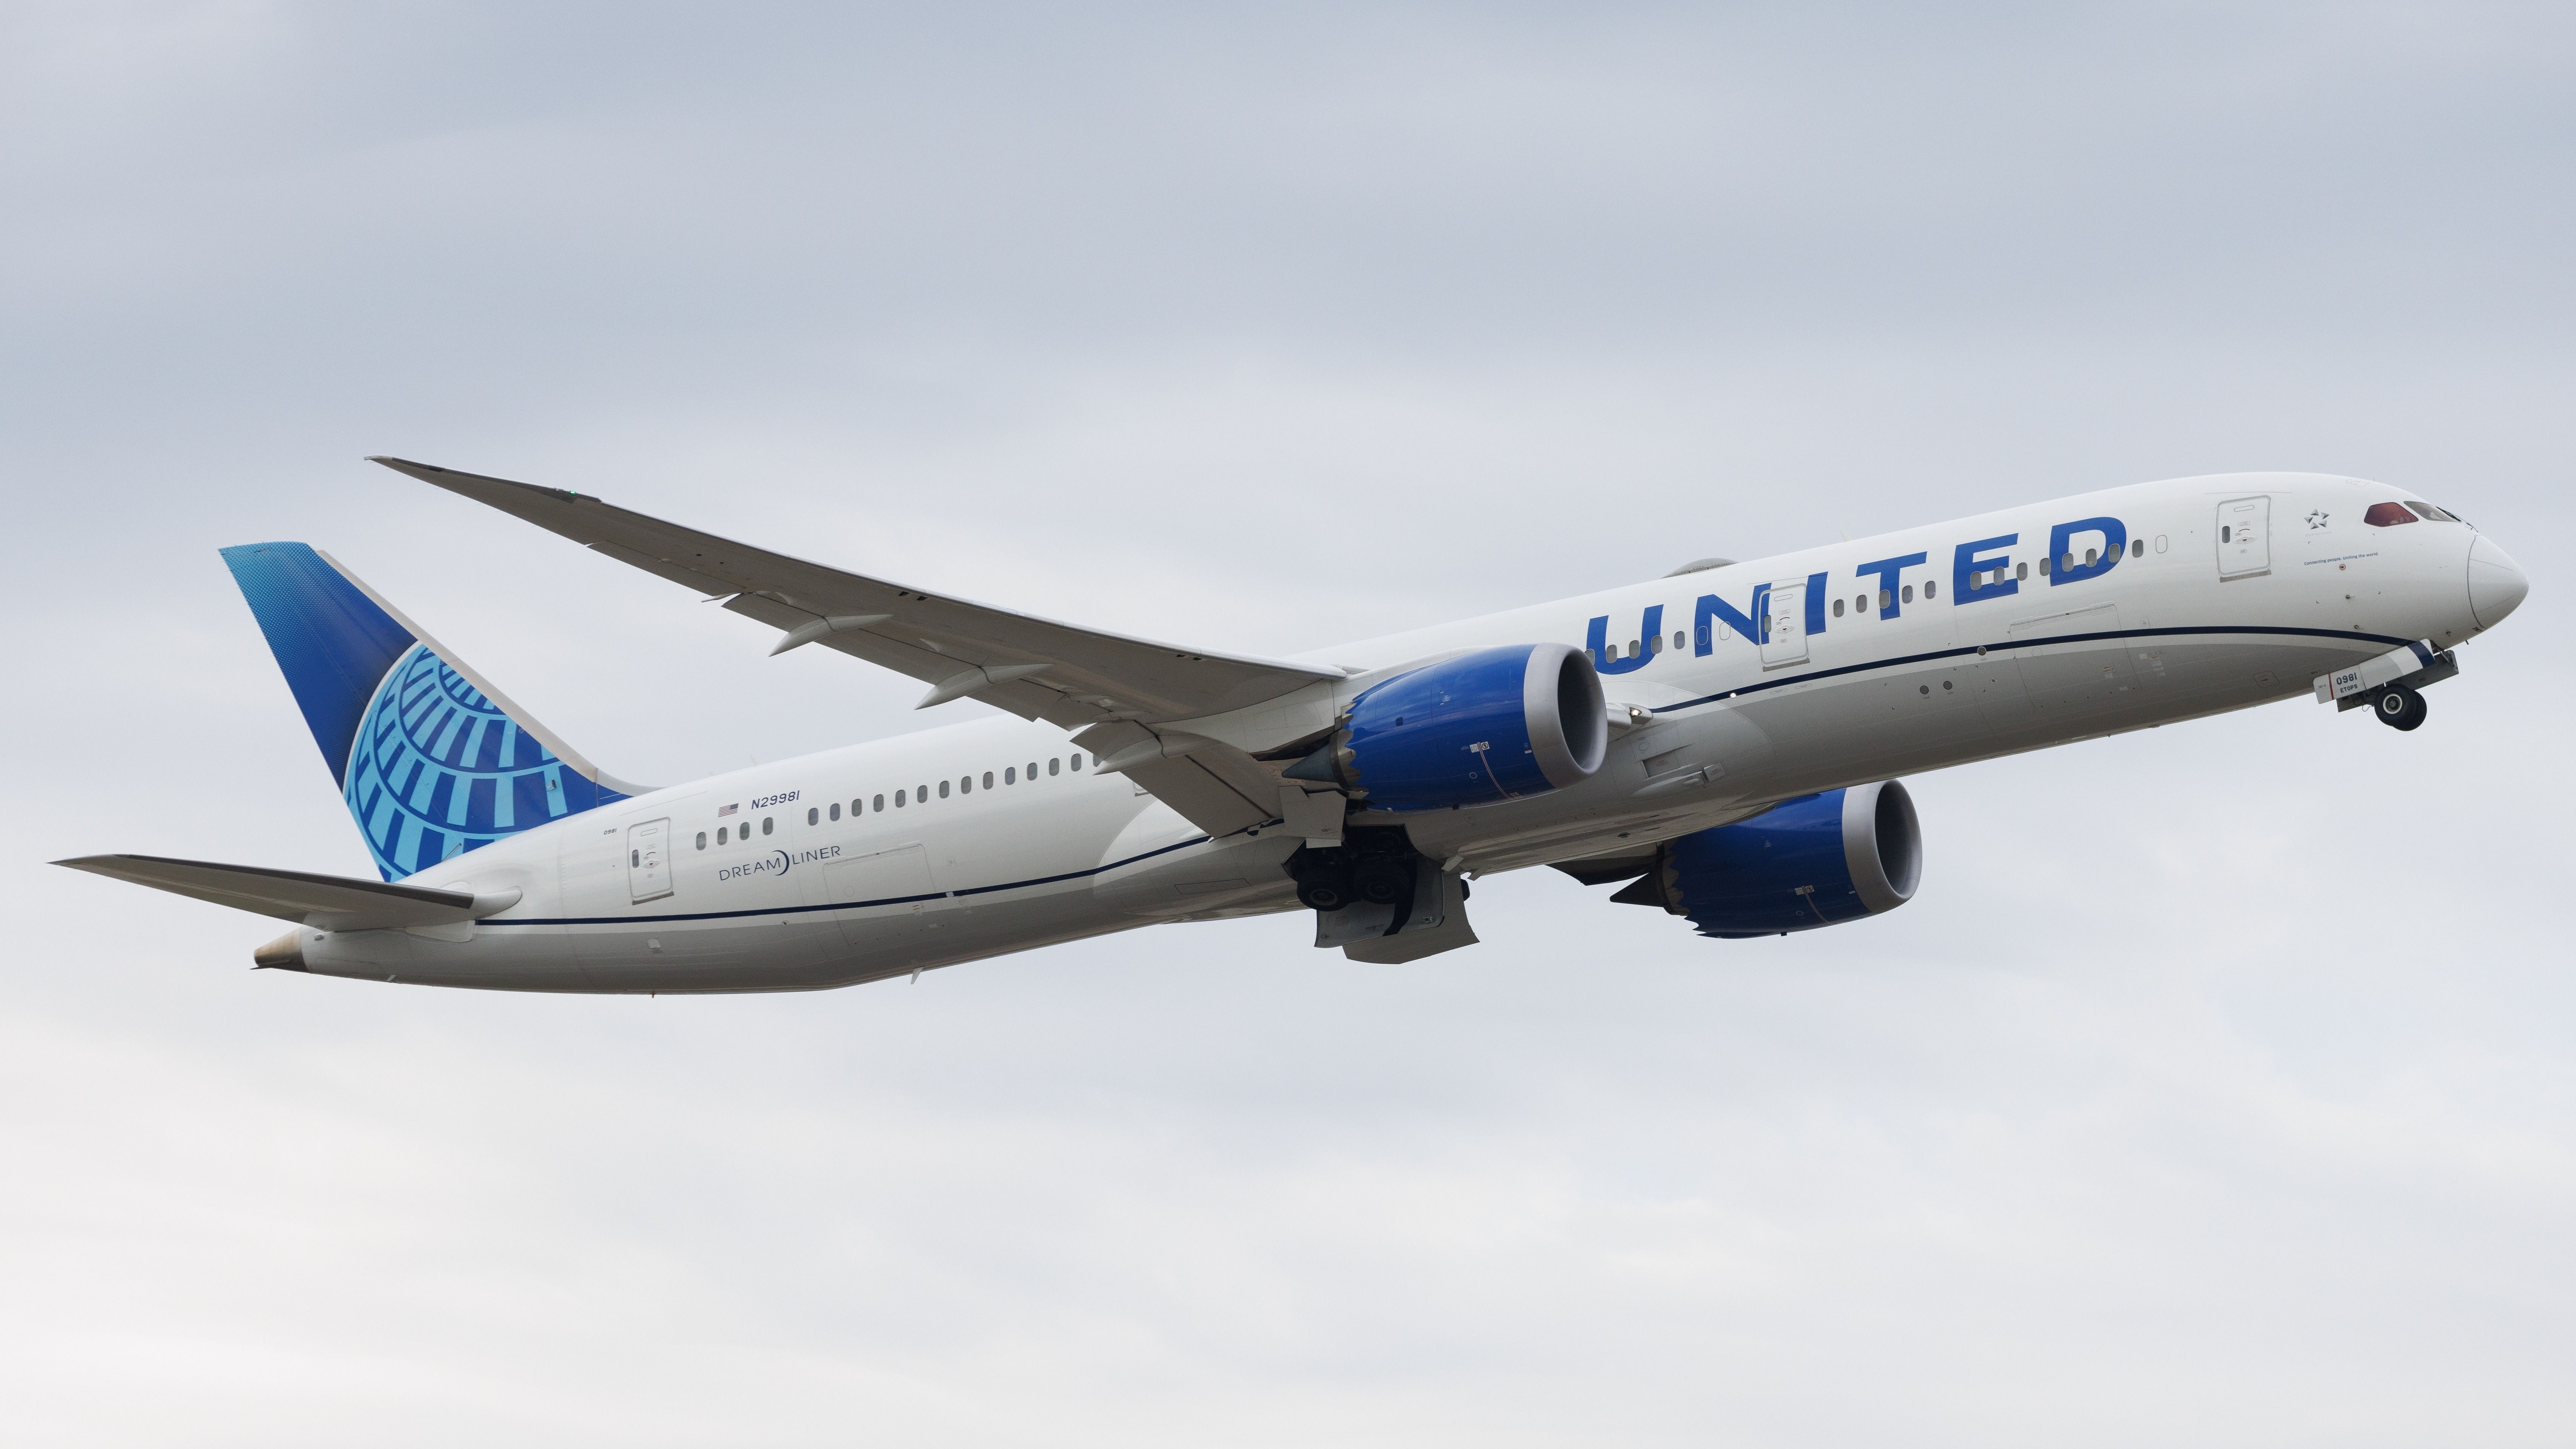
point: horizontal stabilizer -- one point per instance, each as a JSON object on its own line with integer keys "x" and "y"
{"x": 325, "y": 902}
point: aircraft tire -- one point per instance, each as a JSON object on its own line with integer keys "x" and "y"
{"x": 2401, "y": 708}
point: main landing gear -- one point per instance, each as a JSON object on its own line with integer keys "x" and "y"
{"x": 1374, "y": 867}
{"x": 2399, "y": 707}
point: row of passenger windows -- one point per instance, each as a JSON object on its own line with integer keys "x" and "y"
{"x": 917, "y": 795}
{"x": 1888, "y": 598}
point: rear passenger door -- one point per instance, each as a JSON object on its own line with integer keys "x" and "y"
{"x": 648, "y": 860}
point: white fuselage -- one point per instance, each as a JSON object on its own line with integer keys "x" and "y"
{"x": 820, "y": 880}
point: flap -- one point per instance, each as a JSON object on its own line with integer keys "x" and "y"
{"x": 1035, "y": 668}
{"x": 327, "y": 902}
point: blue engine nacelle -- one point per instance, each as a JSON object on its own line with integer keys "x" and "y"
{"x": 1493, "y": 725}
{"x": 1819, "y": 860}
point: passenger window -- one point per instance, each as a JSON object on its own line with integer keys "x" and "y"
{"x": 965, "y": 785}
{"x": 1861, "y": 602}
{"x": 2043, "y": 568}
{"x": 836, "y": 809}
{"x": 921, "y": 794}
{"x": 1930, "y": 588}
{"x": 720, "y": 835}
{"x": 1766, "y": 623}
{"x": 634, "y": 857}
{"x": 2020, "y": 572}
{"x": 1680, "y": 639}
{"x": 1909, "y": 593}
{"x": 898, "y": 799}
{"x": 2386, "y": 515}
{"x": 2090, "y": 555}
{"x": 702, "y": 840}
{"x": 768, "y": 824}
{"x": 880, "y": 800}
{"x": 1633, "y": 651}
{"x": 1033, "y": 769}
{"x": 988, "y": 779}
{"x": 1885, "y": 598}
{"x": 1052, "y": 764}
{"x": 1077, "y": 759}
{"x": 1010, "y": 775}
{"x": 1838, "y": 608}
{"x": 2137, "y": 548}
{"x": 2225, "y": 533}
{"x": 943, "y": 789}
{"x": 814, "y": 816}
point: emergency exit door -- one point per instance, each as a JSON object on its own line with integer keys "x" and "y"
{"x": 2244, "y": 538}
{"x": 1784, "y": 627}
{"x": 648, "y": 860}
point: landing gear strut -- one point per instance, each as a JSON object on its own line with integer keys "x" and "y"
{"x": 2399, "y": 707}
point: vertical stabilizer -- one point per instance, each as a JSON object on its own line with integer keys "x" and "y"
{"x": 430, "y": 759}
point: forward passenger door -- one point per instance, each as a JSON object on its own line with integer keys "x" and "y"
{"x": 2244, "y": 538}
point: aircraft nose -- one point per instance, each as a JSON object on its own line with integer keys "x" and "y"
{"x": 2496, "y": 583}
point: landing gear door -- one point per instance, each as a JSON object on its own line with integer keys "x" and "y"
{"x": 2244, "y": 538}
{"x": 1784, "y": 625}
{"x": 648, "y": 860}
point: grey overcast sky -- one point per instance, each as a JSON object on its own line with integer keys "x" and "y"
{"x": 2219, "y": 1088}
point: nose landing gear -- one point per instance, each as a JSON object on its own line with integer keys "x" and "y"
{"x": 2399, "y": 707}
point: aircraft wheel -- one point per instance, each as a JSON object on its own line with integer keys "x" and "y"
{"x": 2401, "y": 708}
{"x": 1384, "y": 882}
{"x": 1322, "y": 893}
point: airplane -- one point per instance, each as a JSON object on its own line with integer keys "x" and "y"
{"x": 1726, "y": 743}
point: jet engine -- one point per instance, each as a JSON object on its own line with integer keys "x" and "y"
{"x": 1818, "y": 860}
{"x": 1493, "y": 725}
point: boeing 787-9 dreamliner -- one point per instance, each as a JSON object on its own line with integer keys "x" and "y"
{"x": 1724, "y": 743}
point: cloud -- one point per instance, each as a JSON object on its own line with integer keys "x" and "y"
{"x": 2214, "y": 1087}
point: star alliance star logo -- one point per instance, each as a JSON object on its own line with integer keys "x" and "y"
{"x": 2317, "y": 519}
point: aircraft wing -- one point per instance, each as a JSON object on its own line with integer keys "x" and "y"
{"x": 328, "y": 902}
{"x": 1035, "y": 668}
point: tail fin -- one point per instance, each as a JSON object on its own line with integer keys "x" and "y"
{"x": 432, "y": 761}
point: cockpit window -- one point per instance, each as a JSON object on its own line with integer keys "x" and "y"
{"x": 2432, "y": 514}
{"x": 2387, "y": 515}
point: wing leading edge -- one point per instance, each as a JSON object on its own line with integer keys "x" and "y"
{"x": 1080, "y": 679}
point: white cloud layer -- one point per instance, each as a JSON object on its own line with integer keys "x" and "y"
{"x": 1265, "y": 329}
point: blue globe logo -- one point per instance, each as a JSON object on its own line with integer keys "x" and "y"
{"x": 437, "y": 770}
